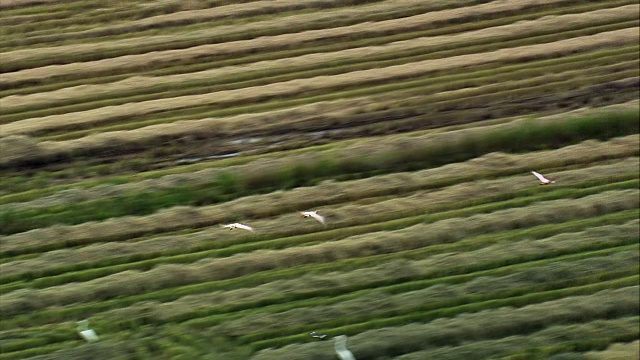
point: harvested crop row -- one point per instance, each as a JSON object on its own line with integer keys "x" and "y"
{"x": 621, "y": 349}
{"x": 560, "y": 313}
{"x": 570, "y": 85}
{"x": 320, "y": 46}
{"x": 176, "y": 19}
{"x": 134, "y": 282}
{"x": 353, "y": 325}
{"x": 291, "y": 30}
{"x": 485, "y": 254}
{"x": 404, "y": 100}
{"x": 138, "y": 84}
{"x": 428, "y": 85}
{"x": 97, "y": 116}
{"x": 493, "y": 323}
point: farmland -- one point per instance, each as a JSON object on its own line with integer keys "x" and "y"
{"x": 131, "y": 131}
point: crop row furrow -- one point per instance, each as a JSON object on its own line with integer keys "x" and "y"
{"x": 285, "y": 35}
{"x": 197, "y": 20}
{"x": 426, "y": 267}
{"x": 307, "y": 86}
{"x": 488, "y": 324}
{"x": 425, "y": 311}
{"x": 628, "y": 284}
{"x": 439, "y": 300}
{"x": 116, "y": 68}
{"x": 130, "y": 318}
{"x": 547, "y": 342}
{"x": 427, "y": 85}
{"x": 423, "y": 235}
{"x": 306, "y": 66}
{"x": 101, "y": 260}
{"x": 115, "y": 319}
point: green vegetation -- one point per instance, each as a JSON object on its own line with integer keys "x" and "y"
{"x": 130, "y": 133}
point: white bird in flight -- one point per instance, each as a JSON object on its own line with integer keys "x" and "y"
{"x": 543, "y": 180}
{"x": 85, "y": 332}
{"x": 313, "y": 214}
{"x": 317, "y": 336}
{"x": 340, "y": 346}
{"x": 237, "y": 226}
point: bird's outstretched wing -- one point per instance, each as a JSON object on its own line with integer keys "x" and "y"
{"x": 340, "y": 346}
{"x": 540, "y": 177}
{"x": 318, "y": 336}
{"x": 320, "y": 218}
{"x": 245, "y": 227}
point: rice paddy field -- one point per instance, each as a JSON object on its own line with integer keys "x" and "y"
{"x": 130, "y": 131}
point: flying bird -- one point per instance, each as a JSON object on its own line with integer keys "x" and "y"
{"x": 237, "y": 226}
{"x": 340, "y": 346}
{"x": 543, "y": 180}
{"x": 85, "y": 332}
{"x": 313, "y": 214}
{"x": 318, "y": 336}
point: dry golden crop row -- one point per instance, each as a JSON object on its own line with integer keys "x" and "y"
{"x": 96, "y": 116}
{"x": 140, "y": 83}
{"x": 259, "y": 44}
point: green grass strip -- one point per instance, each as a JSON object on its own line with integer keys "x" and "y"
{"x": 542, "y": 231}
{"x": 90, "y": 270}
{"x": 526, "y": 136}
{"x": 516, "y": 301}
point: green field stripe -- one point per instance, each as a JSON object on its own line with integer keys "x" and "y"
{"x": 387, "y": 220}
{"x": 35, "y": 351}
{"x": 245, "y": 309}
{"x": 277, "y": 241}
{"x": 573, "y": 348}
{"x": 216, "y": 315}
{"x": 621, "y": 277}
{"x": 217, "y": 191}
{"x": 378, "y": 223}
{"x": 580, "y": 337}
{"x": 429, "y": 315}
{"x": 595, "y": 249}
